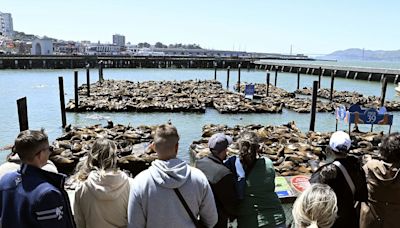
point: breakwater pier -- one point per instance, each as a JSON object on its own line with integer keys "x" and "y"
{"x": 349, "y": 72}
{"x": 126, "y": 61}
{"x": 73, "y": 61}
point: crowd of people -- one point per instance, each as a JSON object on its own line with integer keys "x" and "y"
{"x": 170, "y": 193}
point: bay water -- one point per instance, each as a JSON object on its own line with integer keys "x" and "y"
{"x": 41, "y": 89}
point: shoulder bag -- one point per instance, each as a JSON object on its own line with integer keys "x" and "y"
{"x": 198, "y": 223}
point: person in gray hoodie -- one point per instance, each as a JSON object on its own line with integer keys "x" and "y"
{"x": 153, "y": 201}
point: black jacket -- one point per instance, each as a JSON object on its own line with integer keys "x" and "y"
{"x": 32, "y": 197}
{"x": 331, "y": 175}
{"x": 222, "y": 183}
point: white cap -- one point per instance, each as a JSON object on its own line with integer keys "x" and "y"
{"x": 340, "y": 141}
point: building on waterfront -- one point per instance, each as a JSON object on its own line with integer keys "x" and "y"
{"x": 68, "y": 48}
{"x": 119, "y": 40}
{"x": 42, "y": 46}
{"x": 200, "y": 52}
{"x": 6, "y": 25}
{"x": 103, "y": 49}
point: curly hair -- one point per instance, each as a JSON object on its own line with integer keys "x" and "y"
{"x": 248, "y": 143}
{"x": 390, "y": 147}
{"x": 315, "y": 207}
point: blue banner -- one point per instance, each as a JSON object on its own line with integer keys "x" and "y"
{"x": 357, "y": 115}
{"x": 249, "y": 90}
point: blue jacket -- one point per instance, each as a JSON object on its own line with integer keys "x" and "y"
{"x": 240, "y": 183}
{"x": 32, "y": 197}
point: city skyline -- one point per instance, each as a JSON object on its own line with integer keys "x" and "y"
{"x": 312, "y": 27}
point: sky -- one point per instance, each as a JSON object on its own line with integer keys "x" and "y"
{"x": 310, "y": 27}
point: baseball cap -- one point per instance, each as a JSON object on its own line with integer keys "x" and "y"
{"x": 340, "y": 141}
{"x": 219, "y": 142}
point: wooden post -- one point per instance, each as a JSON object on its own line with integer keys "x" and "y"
{"x": 101, "y": 65}
{"x": 314, "y": 105}
{"x": 88, "y": 81}
{"x": 332, "y": 82}
{"x": 268, "y": 77}
{"x": 298, "y": 79}
{"x": 337, "y": 121}
{"x": 276, "y": 75}
{"x": 239, "y": 77}
{"x": 215, "y": 71}
{"x": 76, "y": 90}
{"x": 227, "y": 77}
{"x": 62, "y": 101}
{"x": 319, "y": 77}
{"x": 22, "y": 114}
{"x": 383, "y": 93}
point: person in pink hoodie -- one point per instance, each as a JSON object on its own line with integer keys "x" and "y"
{"x": 101, "y": 199}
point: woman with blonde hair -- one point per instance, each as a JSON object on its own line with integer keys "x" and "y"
{"x": 101, "y": 200}
{"x": 316, "y": 207}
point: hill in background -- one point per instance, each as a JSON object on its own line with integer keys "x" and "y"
{"x": 360, "y": 54}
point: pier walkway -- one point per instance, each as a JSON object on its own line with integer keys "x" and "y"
{"x": 352, "y": 72}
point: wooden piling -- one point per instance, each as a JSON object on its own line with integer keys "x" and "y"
{"x": 332, "y": 83}
{"x": 76, "y": 90}
{"x": 101, "y": 65}
{"x": 227, "y": 77}
{"x": 383, "y": 93}
{"x": 298, "y": 79}
{"x": 355, "y": 76}
{"x": 88, "y": 81}
{"x": 238, "y": 87}
{"x": 22, "y": 114}
{"x": 62, "y": 101}
{"x": 215, "y": 72}
{"x": 314, "y": 105}
{"x": 268, "y": 77}
{"x": 276, "y": 76}
{"x": 319, "y": 77}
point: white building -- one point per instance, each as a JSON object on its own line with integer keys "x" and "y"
{"x": 103, "y": 49}
{"x": 119, "y": 40}
{"x": 6, "y": 24}
{"x": 42, "y": 47}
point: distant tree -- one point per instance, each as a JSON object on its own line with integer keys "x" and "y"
{"x": 185, "y": 46}
{"x": 143, "y": 45}
{"x": 160, "y": 45}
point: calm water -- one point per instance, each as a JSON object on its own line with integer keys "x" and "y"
{"x": 41, "y": 89}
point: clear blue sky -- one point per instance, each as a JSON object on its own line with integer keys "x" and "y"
{"x": 311, "y": 26}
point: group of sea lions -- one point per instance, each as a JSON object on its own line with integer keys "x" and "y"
{"x": 348, "y": 98}
{"x": 187, "y": 96}
{"x": 132, "y": 146}
{"x": 292, "y": 151}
